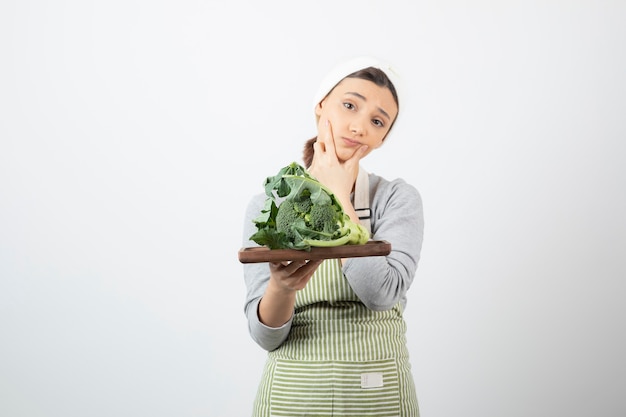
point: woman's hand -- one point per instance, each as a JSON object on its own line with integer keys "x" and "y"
{"x": 276, "y": 306}
{"x": 292, "y": 276}
{"x": 339, "y": 176}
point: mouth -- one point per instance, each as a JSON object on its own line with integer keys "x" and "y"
{"x": 350, "y": 142}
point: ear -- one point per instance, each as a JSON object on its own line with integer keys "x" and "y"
{"x": 318, "y": 108}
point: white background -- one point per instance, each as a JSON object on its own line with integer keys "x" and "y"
{"x": 133, "y": 133}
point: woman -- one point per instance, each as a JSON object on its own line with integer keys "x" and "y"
{"x": 333, "y": 329}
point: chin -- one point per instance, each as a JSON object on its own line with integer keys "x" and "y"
{"x": 344, "y": 155}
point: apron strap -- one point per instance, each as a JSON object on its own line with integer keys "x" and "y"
{"x": 362, "y": 199}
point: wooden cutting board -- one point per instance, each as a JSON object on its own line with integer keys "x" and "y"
{"x": 264, "y": 254}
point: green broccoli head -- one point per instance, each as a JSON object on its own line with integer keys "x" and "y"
{"x": 288, "y": 219}
{"x": 298, "y": 218}
{"x": 309, "y": 215}
{"x": 302, "y": 205}
{"x": 325, "y": 218}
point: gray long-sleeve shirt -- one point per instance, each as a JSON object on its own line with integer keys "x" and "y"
{"x": 380, "y": 282}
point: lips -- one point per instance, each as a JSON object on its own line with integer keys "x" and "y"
{"x": 350, "y": 142}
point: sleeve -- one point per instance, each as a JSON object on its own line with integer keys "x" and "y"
{"x": 383, "y": 281}
{"x": 256, "y": 277}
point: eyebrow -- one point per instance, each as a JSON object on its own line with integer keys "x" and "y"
{"x": 362, "y": 97}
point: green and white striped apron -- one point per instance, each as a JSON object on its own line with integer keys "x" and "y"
{"x": 340, "y": 359}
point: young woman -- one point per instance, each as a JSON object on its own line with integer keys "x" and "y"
{"x": 334, "y": 329}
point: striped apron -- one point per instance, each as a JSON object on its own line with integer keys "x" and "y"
{"x": 340, "y": 359}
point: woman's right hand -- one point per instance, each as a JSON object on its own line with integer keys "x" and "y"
{"x": 292, "y": 275}
{"x": 286, "y": 278}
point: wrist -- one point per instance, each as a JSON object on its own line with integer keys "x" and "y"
{"x": 277, "y": 289}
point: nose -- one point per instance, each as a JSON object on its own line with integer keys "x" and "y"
{"x": 356, "y": 127}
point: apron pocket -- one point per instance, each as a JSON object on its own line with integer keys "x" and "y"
{"x": 335, "y": 388}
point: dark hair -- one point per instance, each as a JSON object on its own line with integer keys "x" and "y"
{"x": 372, "y": 74}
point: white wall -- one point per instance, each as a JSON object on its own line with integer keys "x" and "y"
{"x": 132, "y": 134}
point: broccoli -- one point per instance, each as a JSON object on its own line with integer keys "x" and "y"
{"x": 323, "y": 218}
{"x": 288, "y": 216}
{"x": 307, "y": 215}
{"x": 303, "y": 206}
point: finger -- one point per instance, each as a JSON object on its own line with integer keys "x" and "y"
{"x": 294, "y": 266}
{"x": 357, "y": 156}
{"x": 306, "y": 272}
{"x": 325, "y": 135}
{"x": 302, "y": 267}
{"x": 324, "y": 152}
{"x": 321, "y": 131}
{"x": 286, "y": 268}
{"x": 280, "y": 264}
{"x": 311, "y": 266}
{"x": 329, "y": 139}
{"x": 318, "y": 146}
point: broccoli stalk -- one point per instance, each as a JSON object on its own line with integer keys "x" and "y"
{"x": 351, "y": 234}
{"x": 309, "y": 214}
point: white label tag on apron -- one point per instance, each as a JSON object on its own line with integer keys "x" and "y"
{"x": 372, "y": 380}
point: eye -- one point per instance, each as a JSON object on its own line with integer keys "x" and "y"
{"x": 378, "y": 123}
{"x": 348, "y": 105}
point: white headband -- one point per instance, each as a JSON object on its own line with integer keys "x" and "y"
{"x": 350, "y": 66}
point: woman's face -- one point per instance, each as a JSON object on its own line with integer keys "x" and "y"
{"x": 360, "y": 113}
